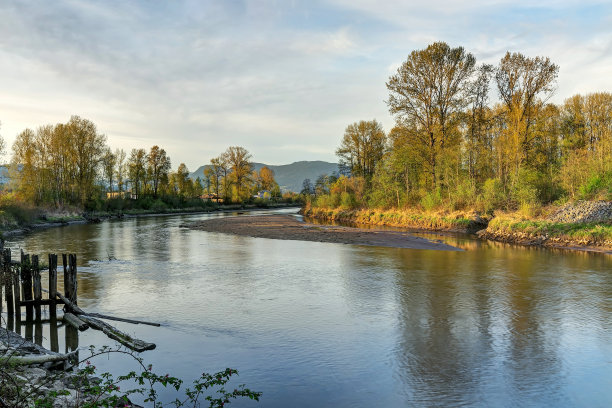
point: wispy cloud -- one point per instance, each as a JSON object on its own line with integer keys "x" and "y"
{"x": 274, "y": 76}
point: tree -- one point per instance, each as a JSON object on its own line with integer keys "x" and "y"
{"x": 524, "y": 85}
{"x": 120, "y": 169}
{"x": 136, "y": 170}
{"x": 362, "y": 146}
{"x": 217, "y": 170}
{"x": 183, "y": 181}
{"x": 266, "y": 178}
{"x": 158, "y": 166}
{"x": 238, "y": 159}
{"x": 427, "y": 93}
{"x": 85, "y": 150}
{"x": 109, "y": 161}
{"x": 307, "y": 187}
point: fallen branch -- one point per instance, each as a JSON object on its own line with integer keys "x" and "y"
{"x": 16, "y": 359}
{"x": 78, "y": 311}
{"x": 75, "y": 322}
{"x": 114, "y": 333}
{"x": 121, "y": 319}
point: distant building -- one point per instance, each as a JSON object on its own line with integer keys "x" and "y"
{"x": 263, "y": 194}
{"x": 211, "y": 197}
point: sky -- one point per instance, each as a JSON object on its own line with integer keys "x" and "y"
{"x": 281, "y": 78}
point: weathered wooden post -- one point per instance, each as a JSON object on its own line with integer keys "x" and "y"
{"x": 17, "y": 295}
{"x": 53, "y": 332}
{"x": 52, "y": 285}
{"x": 66, "y": 282}
{"x": 37, "y": 285}
{"x": 8, "y": 282}
{"x": 72, "y": 267}
{"x": 26, "y": 284}
{"x": 38, "y": 331}
{"x": 2, "y": 277}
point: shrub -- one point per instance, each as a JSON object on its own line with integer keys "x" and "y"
{"x": 431, "y": 200}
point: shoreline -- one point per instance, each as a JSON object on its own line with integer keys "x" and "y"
{"x": 287, "y": 227}
{"x": 470, "y": 223}
{"x": 94, "y": 218}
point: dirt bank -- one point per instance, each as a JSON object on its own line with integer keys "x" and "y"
{"x": 288, "y": 227}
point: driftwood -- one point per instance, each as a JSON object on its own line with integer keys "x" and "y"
{"x": 121, "y": 319}
{"x": 75, "y": 322}
{"x": 78, "y": 311}
{"x": 116, "y": 334}
{"x": 16, "y": 359}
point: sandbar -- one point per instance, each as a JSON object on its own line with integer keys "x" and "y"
{"x": 288, "y": 227}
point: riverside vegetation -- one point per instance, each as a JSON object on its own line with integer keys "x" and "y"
{"x": 455, "y": 160}
{"x": 60, "y": 172}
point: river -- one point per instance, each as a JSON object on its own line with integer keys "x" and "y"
{"x": 330, "y": 325}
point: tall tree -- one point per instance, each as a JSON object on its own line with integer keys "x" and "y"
{"x": 427, "y": 93}
{"x": 266, "y": 178}
{"x": 362, "y": 147}
{"x": 109, "y": 161}
{"x": 158, "y": 166}
{"x": 120, "y": 169}
{"x": 238, "y": 159}
{"x": 183, "y": 181}
{"x": 524, "y": 85}
{"x": 136, "y": 170}
{"x": 86, "y": 149}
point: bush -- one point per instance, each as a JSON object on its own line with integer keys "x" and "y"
{"x": 348, "y": 201}
{"x": 493, "y": 195}
{"x": 431, "y": 200}
{"x": 464, "y": 196}
{"x": 597, "y": 186}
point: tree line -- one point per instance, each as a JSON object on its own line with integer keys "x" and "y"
{"x": 71, "y": 164}
{"x": 453, "y": 147}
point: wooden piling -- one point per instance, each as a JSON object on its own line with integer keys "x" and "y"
{"x": 52, "y": 283}
{"x": 53, "y": 335}
{"x": 26, "y": 284}
{"x": 8, "y": 281}
{"x": 17, "y": 295}
{"x": 2, "y": 278}
{"x": 72, "y": 273}
{"x": 65, "y": 263}
{"x": 36, "y": 285}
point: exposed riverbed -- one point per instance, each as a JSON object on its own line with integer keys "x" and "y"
{"x": 326, "y": 324}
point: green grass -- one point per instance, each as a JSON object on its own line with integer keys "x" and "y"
{"x": 593, "y": 232}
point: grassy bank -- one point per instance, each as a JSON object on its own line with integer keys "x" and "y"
{"x": 452, "y": 221}
{"x": 513, "y": 229}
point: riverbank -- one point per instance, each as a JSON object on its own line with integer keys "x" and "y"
{"x": 583, "y": 236}
{"x": 465, "y": 222}
{"x": 287, "y": 227}
{"x": 585, "y": 226}
{"x": 48, "y": 219}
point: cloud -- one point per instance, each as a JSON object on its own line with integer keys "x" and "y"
{"x": 274, "y": 76}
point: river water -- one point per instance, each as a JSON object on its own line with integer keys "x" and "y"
{"x": 330, "y": 325}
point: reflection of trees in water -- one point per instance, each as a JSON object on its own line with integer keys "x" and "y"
{"x": 474, "y": 325}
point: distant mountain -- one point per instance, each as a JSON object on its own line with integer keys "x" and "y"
{"x": 289, "y": 176}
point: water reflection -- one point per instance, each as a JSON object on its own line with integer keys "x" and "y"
{"x": 318, "y": 324}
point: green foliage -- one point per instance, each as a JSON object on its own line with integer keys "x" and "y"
{"x": 348, "y": 201}
{"x": 94, "y": 389}
{"x": 493, "y": 195}
{"x": 589, "y": 232}
{"x": 597, "y": 186}
{"x": 431, "y": 200}
{"x": 464, "y": 195}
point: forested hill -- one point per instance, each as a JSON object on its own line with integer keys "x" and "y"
{"x": 289, "y": 176}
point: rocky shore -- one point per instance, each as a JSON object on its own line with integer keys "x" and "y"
{"x": 31, "y": 375}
